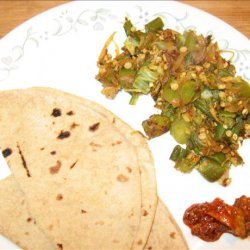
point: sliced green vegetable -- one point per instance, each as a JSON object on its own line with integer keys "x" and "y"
{"x": 195, "y": 143}
{"x": 169, "y": 111}
{"x": 180, "y": 130}
{"x": 203, "y": 107}
{"x": 188, "y": 92}
{"x": 225, "y": 72}
{"x": 127, "y": 27}
{"x": 210, "y": 169}
{"x": 197, "y": 119}
{"x": 178, "y": 153}
{"x": 134, "y": 98}
{"x": 219, "y": 157}
{"x": 219, "y": 132}
{"x": 238, "y": 128}
{"x": 185, "y": 165}
{"x": 180, "y": 40}
{"x": 191, "y": 39}
{"x": 131, "y": 44}
{"x": 171, "y": 96}
{"x": 143, "y": 78}
{"x": 126, "y": 77}
{"x": 163, "y": 45}
{"x": 154, "y": 25}
{"x": 242, "y": 88}
{"x": 156, "y": 125}
{"x": 227, "y": 118}
{"x": 185, "y": 160}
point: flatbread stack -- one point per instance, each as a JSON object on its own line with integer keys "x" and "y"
{"x": 81, "y": 177}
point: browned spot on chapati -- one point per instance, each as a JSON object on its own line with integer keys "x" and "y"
{"x": 93, "y": 144}
{"x": 53, "y": 152}
{"x": 73, "y": 165}
{"x": 60, "y": 246}
{"x": 70, "y": 112}
{"x": 55, "y": 169}
{"x": 56, "y": 112}
{"x": 131, "y": 215}
{"x": 129, "y": 169}
{"x": 114, "y": 120}
{"x": 122, "y": 178}
{"x": 74, "y": 125}
{"x": 42, "y": 149}
{"x": 116, "y": 143}
{"x": 100, "y": 222}
{"x": 63, "y": 135}
{"x": 59, "y": 197}
{"x": 29, "y": 219}
{"x": 23, "y": 161}
{"x": 7, "y": 152}
{"x": 26, "y": 233}
{"x": 172, "y": 235}
{"x": 94, "y": 127}
{"x": 50, "y": 227}
{"x": 144, "y": 212}
{"x": 83, "y": 211}
{"x": 139, "y": 242}
{"x": 115, "y": 241}
{"x": 149, "y": 248}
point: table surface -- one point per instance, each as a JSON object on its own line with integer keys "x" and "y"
{"x": 234, "y": 12}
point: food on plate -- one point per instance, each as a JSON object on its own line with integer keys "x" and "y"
{"x": 165, "y": 233}
{"x": 22, "y": 229}
{"x": 209, "y": 221}
{"x": 16, "y": 223}
{"x": 82, "y": 153}
{"x": 87, "y": 177}
{"x": 203, "y": 104}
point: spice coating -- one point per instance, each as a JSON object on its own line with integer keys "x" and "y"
{"x": 203, "y": 104}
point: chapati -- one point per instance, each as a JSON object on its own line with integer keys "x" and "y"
{"x": 80, "y": 174}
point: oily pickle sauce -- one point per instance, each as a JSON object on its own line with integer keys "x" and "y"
{"x": 209, "y": 221}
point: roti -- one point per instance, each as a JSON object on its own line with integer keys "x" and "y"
{"x": 81, "y": 170}
{"x": 21, "y": 228}
{"x": 146, "y": 170}
{"x": 165, "y": 233}
{"x": 16, "y": 223}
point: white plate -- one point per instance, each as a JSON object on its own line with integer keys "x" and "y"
{"x": 59, "y": 49}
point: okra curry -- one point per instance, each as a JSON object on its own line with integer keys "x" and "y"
{"x": 202, "y": 102}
